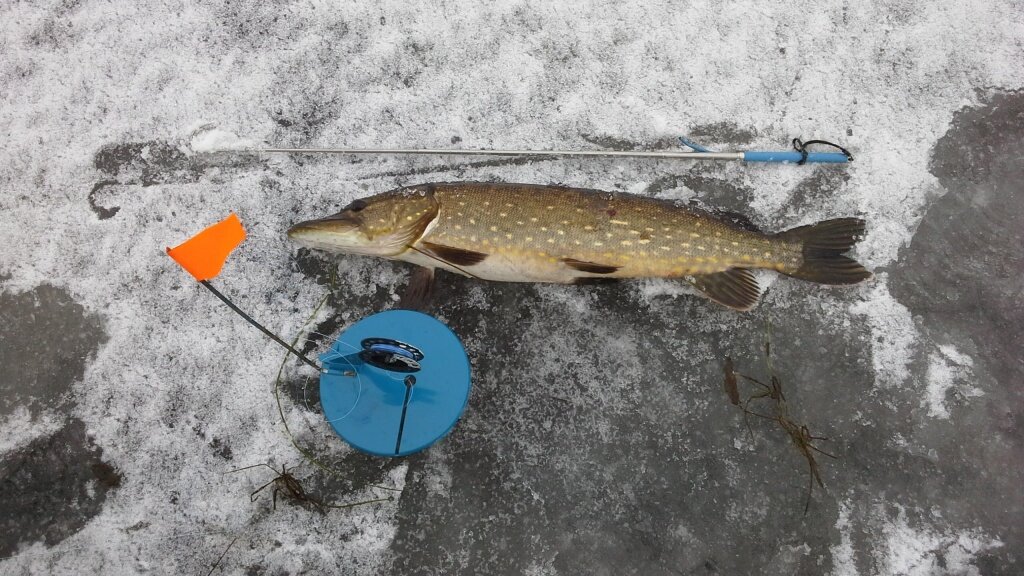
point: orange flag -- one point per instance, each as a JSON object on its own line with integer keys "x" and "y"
{"x": 203, "y": 255}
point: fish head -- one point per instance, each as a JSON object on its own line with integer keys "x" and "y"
{"x": 382, "y": 225}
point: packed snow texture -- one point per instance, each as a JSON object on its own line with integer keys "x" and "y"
{"x": 207, "y": 139}
{"x": 598, "y": 439}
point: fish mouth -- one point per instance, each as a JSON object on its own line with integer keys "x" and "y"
{"x": 332, "y": 232}
{"x": 330, "y": 225}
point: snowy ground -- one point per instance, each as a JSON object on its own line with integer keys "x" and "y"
{"x": 128, "y": 392}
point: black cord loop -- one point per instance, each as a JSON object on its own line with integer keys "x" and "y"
{"x": 801, "y": 147}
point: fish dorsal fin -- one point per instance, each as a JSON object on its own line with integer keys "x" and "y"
{"x": 735, "y": 288}
{"x": 591, "y": 267}
{"x": 453, "y": 255}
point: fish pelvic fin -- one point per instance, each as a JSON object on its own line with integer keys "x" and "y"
{"x": 590, "y": 267}
{"x": 823, "y": 245}
{"x": 418, "y": 293}
{"x": 736, "y": 288}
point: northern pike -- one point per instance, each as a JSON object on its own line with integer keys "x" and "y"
{"x": 534, "y": 233}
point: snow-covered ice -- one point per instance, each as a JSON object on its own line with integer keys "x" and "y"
{"x": 597, "y": 439}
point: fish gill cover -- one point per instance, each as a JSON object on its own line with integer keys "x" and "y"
{"x": 597, "y": 437}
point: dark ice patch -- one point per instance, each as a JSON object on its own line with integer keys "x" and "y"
{"x": 734, "y": 219}
{"x": 360, "y": 472}
{"x": 740, "y": 221}
{"x": 982, "y": 146}
{"x": 166, "y": 162}
{"x": 661, "y": 184}
{"x": 963, "y": 267}
{"x": 102, "y": 212}
{"x": 819, "y": 191}
{"x": 717, "y": 193}
{"x": 303, "y": 391}
{"x": 221, "y": 448}
{"x": 724, "y": 132}
{"x": 147, "y": 163}
{"x": 622, "y": 144}
{"x": 52, "y": 488}
{"x": 961, "y": 278}
{"x": 46, "y": 338}
{"x": 610, "y": 142}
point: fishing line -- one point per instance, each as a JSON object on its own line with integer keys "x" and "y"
{"x": 359, "y": 380}
{"x": 332, "y": 354}
{"x": 309, "y": 456}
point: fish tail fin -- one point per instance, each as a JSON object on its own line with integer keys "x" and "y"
{"x": 822, "y": 246}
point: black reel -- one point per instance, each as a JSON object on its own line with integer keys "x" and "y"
{"x": 391, "y": 355}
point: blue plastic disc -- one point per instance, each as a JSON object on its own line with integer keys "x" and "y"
{"x": 394, "y": 383}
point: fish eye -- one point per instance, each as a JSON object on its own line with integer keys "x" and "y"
{"x": 356, "y": 206}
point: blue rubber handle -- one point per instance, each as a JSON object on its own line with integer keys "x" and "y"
{"x": 794, "y": 157}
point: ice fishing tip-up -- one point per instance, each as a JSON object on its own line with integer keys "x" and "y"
{"x": 203, "y": 256}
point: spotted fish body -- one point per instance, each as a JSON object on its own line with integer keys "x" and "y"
{"x": 531, "y": 233}
{"x": 540, "y": 233}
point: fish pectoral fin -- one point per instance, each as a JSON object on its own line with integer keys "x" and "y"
{"x": 735, "y": 288}
{"x": 421, "y": 287}
{"x": 452, "y": 255}
{"x": 591, "y": 267}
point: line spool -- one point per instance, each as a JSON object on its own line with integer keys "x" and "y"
{"x": 394, "y": 383}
